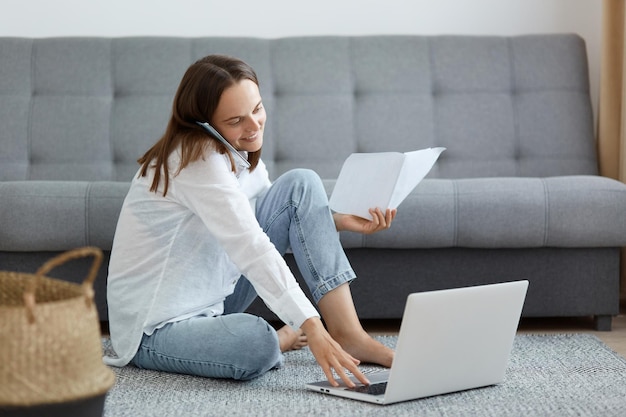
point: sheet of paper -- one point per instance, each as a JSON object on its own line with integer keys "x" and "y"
{"x": 366, "y": 180}
{"x": 383, "y": 179}
{"x": 417, "y": 165}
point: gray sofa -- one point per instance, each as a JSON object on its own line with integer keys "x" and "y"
{"x": 516, "y": 195}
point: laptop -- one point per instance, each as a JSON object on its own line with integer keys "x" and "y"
{"x": 449, "y": 341}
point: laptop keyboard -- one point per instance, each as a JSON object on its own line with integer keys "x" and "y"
{"x": 372, "y": 389}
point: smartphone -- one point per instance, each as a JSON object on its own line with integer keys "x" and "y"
{"x": 213, "y": 132}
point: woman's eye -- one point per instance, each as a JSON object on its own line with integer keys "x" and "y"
{"x": 258, "y": 108}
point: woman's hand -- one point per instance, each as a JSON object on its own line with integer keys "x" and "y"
{"x": 330, "y": 355}
{"x": 380, "y": 221}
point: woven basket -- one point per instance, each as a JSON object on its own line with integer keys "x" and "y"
{"x": 50, "y": 343}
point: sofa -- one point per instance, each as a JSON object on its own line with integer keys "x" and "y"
{"x": 516, "y": 195}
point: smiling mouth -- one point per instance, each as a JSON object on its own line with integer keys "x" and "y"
{"x": 251, "y": 138}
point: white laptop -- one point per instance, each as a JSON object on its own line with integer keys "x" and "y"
{"x": 449, "y": 340}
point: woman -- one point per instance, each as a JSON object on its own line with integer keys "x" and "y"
{"x": 200, "y": 235}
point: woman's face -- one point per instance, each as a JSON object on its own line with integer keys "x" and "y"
{"x": 240, "y": 116}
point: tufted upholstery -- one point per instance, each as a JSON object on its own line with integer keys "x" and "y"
{"x": 87, "y": 108}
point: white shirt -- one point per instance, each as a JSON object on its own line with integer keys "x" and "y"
{"x": 180, "y": 256}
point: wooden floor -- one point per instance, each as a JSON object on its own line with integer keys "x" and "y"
{"x": 615, "y": 339}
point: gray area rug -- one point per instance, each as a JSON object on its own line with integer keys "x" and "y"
{"x": 548, "y": 375}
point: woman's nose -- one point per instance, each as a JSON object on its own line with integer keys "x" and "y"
{"x": 253, "y": 124}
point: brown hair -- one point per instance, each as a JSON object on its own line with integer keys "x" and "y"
{"x": 197, "y": 98}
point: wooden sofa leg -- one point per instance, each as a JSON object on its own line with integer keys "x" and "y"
{"x": 603, "y": 323}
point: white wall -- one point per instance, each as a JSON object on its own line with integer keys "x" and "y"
{"x": 277, "y": 18}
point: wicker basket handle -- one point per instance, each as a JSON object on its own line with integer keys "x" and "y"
{"x": 87, "y": 285}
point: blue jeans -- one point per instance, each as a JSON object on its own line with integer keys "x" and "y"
{"x": 294, "y": 213}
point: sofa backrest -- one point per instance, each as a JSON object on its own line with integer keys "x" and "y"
{"x": 87, "y": 108}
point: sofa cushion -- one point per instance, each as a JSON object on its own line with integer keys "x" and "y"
{"x": 59, "y": 215}
{"x": 505, "y": 213}
{"x": 439, "y": 213}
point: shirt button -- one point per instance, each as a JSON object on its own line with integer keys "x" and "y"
{"x": 291, "y": 323}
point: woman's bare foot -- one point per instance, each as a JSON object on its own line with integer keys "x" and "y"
{"x": 363, "y": 347}
{"x": 344, "y": 326}
{"x": 289, "y": 339}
